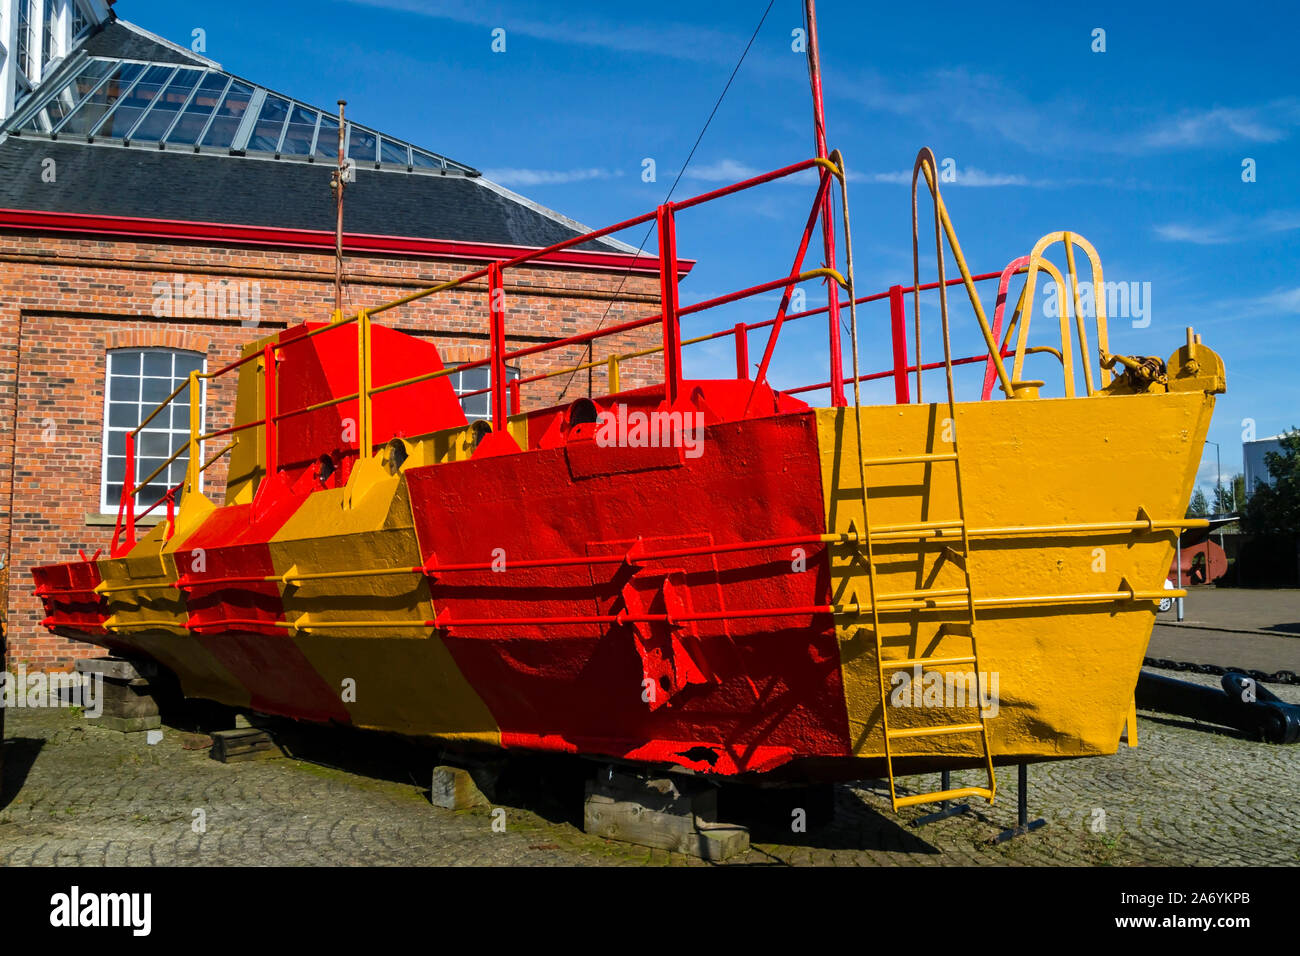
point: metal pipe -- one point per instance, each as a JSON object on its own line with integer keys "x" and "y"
{"x": 338, "y": 218}
{"x": 672, "y": 333}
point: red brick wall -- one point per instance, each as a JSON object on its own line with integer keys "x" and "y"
{"x": 65, "y": 301}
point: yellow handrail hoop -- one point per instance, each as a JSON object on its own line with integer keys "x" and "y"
{"x": 1070, "y": 240}
{"x": 925, "y": 163}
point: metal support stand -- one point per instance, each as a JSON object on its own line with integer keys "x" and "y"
{"x": 947, "y": 808}
{"x": 1023, "y": 824}
{"x": 1178, "y": 562}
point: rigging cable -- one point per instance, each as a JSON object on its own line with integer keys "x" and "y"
{"x": 587, "y": 352}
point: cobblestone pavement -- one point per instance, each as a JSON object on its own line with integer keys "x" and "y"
{"x": 80, "y": 795}
{"x": 1226, "y": 648}
{"x": 1273, "y": 610}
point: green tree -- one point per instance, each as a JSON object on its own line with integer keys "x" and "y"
{"x": 1199, "y": 506}
{"x": 1275, "y": 508}
{"x": 1228, "y": 496}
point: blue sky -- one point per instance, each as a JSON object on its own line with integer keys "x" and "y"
{"x": 1139, "y": 149}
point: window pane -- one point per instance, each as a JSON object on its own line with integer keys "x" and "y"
{"x": 123, "y": 389}
{"x": 186, "y": 363}
{"x": 135, "y": 103}
{"x": 362, "y": 145}
{"x": 91, "y": 111}
{"x": 114, "y": 491}
{"x": 123, "y": 416}
{"x": 229, "y": 115}
{"x": 69, "y": 96}
{"x": 302, "y": 126}
{"x": 124, "y": 363}
{"x": 116, "y": 471}
{"x": 154, "y": 444}
{"x": 266, "y": 134}
{"x": 391, "y": 152}
{"x": 117, "y": 444}
{"x": 49, "y": 40}
{"x": 158, "y": 363}
{"x": 154, "y": 391}
{"x": 327, "y": 141}
{"x": 191, "y": 123}
{"x": 180, "y": 418}
{"x": 147, "y": 466}
{"x": 423, "y": 160}
{"x": 169, "y": 103}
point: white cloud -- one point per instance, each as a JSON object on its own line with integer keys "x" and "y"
{"x": 970, "y": 176}
{"x": 723, "y": 171}
{"x": 547, "y": 177}
{"x": 959, "y": 97}
{"x": 1269, "y": 123}
{"x": 1230, "y": 230}
{"x": 1285, "y": 300}
{"x": 1278, "y": 302}
{"x": 657, "y": 38}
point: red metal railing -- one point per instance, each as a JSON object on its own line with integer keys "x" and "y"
{"x": 505, "y": 393}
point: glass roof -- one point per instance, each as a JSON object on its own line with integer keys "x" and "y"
{"x": 194, "y": 107}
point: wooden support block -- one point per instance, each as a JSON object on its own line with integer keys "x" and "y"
{"x": 126, "y": 725}
{"x": 115, "y": 668}
{"x": 665, "y": 812}
{"x": 127, "y": 699}
{"x": 454, "y": 788}
{"x": 231, "y": 746}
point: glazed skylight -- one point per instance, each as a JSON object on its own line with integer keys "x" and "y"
{"x": 179, "y": 106}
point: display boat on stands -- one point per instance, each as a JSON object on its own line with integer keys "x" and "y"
{"x": 793, "y": 591}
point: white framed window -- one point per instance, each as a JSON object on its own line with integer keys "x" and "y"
{"x": 136, "y": 381}
{"x": 477, "y": 407}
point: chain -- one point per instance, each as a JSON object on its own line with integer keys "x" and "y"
{"x": 1280, "y": 677}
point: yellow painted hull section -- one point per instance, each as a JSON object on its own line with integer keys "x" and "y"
{"x": 400, "y": 679}
{"x": 1065, "y": 658}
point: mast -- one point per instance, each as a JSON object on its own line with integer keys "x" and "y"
{"x": 828, "y": 226}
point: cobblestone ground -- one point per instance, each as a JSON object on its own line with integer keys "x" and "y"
{"x": 76, "y": 794}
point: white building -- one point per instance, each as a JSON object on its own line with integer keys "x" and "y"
{"x": 1254, "y": 463}
{"x": 35, "y": 36}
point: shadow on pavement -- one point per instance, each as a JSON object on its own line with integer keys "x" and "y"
{"x": 20, "y": 754}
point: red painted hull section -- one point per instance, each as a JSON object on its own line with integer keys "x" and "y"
{"x": 734, "y": 695}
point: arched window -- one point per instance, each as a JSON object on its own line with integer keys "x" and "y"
{"x": 137, "y": 381}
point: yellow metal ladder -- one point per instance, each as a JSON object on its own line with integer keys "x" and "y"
{"x": 923, "y": 661}
{"x": 916, "y": 599}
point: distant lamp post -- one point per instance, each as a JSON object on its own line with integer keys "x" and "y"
{"x": 1218, "y": 481}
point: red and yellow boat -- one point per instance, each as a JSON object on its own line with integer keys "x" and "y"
{"x": 707, "y": 574}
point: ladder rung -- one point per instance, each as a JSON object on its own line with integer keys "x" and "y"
{"x": 927, "y": 661}
{"x": 939, "y": 795}
{"x": 937, "y": 731}
{"x": 912, "y": 459}
{"x": 924, "y": 594}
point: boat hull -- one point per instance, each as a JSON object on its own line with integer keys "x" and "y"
{"x": 605, "y": 602}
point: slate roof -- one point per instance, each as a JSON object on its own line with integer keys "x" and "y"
{"x": 115, "y": 40}
{"x": 143, "y": 181}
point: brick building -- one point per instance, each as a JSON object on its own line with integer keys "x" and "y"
{"x": 157, "y": 213}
